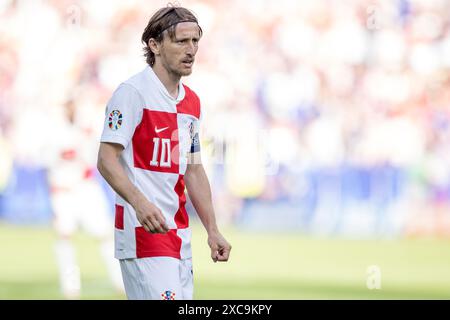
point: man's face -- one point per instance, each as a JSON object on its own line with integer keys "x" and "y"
{"x": 178, "y": 55}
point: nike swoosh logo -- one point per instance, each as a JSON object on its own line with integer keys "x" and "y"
{"x": 160, "y": 130}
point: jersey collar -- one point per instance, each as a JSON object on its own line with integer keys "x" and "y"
{"x": 154, "y": 78}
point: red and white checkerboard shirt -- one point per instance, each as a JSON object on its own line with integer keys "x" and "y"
{"x": 157, "y": 133}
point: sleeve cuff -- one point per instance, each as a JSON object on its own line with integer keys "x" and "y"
{"x": 115, "y": 139}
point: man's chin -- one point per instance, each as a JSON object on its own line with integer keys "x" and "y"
{"x": 186, "y": 72}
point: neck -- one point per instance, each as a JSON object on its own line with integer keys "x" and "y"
{"x": 169, "y": 80}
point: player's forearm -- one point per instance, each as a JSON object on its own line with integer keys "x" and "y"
{"x": 113, "y": 172}
{"x": 199, "y": 191}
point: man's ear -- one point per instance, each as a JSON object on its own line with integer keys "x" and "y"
{"x": 154, "y": 46}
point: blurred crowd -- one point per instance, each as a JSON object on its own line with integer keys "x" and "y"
{"x": 328, "y": 117}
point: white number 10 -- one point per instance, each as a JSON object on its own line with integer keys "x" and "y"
{"x": 164, "y": 160}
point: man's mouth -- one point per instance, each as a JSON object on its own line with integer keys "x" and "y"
{"x": 188, "y": 62}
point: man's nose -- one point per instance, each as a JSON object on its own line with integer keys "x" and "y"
{"x": 190, "y": 48}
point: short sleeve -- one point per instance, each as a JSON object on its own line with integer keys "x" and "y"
{"x": 123, "y": 114}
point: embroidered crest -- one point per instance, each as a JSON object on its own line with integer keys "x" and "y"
{"x": 168, "y": 295}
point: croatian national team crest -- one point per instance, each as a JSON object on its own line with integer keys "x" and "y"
{"x": 168, "y": 295}
{"x": 115, "y": 120}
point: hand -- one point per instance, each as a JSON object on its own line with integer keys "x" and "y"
{"x": 150, "y": 217}
{"x": 220, "y": 248}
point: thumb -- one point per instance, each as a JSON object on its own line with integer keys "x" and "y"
{"x": 214, "y": 253}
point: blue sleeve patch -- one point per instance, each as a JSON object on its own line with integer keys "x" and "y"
{"x": 195, "y": 145}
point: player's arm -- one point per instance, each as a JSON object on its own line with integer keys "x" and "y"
{"x": 109, "y": 166}
{"x": 199, "y": 191}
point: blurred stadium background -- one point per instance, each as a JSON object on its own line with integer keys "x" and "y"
{"x": 326, "y": 137}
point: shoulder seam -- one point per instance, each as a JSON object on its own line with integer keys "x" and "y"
{"x": 135, "y": 89}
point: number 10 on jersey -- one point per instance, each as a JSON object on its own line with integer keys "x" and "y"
{"x": 164, "y": 158}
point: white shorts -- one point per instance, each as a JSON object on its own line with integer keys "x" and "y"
{"x": 158, "y": 278}
{"x": 84, "y": 206}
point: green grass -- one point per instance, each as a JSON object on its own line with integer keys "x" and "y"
{"x": 262, "y": 266}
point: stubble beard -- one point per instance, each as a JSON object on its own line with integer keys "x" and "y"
{"x": 175, "y": 69}
{"x": 175, "y": 72}
{"x": 180, "y": 72}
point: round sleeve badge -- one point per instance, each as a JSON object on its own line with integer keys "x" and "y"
{"x": 115, "y": 120}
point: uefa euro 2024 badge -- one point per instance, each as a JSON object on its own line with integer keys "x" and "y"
{"x": 115, "y": 120}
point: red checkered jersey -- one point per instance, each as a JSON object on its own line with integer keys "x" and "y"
{"x": 157, "y": 132}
